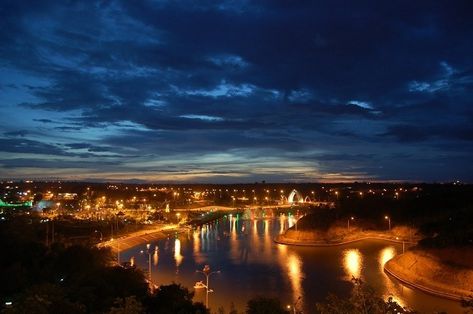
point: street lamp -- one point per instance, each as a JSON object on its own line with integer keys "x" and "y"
{"x": 101, "y": 235}
{"x": 148, "y": 251}
{"x": 206, "y": 271}
{"x": 294, "y": 306}
{"x": 348, "y": 222}
{"x": 389, "y": 221}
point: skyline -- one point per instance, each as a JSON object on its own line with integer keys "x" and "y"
{"x": 236, "y": 92}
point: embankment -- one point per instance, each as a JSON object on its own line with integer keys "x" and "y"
{"x": 446, "y": 272}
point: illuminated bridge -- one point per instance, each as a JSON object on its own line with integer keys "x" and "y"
{"x": 24, "y": 204}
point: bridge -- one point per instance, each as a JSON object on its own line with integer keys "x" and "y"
{"x": 24, "y": 204}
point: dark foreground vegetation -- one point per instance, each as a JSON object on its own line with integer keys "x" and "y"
{"x": 75, "y": 279}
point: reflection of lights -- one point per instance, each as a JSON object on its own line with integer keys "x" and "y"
{"x": 177, "y": 252}
{"x": 294, "y": 265}
{"x": 266, "y": 228}
{"x": 291, "y": 221}
{"x": 281, "y": 223}
{"x": 155, "y": 257}
{"x": 255, "y": 227}
{"x": 385, "y": 255}
{"x": 196, "y": 241}
{"x": 234, "y": 220}
{"x": 353, "y": 262}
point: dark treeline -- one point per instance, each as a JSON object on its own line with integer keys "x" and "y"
{"x": 443, "y": 214}
{"x": 75, "y": 279}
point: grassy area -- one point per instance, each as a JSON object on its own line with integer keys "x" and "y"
{"x": 447, "y": 271}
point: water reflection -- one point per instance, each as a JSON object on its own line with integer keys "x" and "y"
{"x": 282, "y": 219}
{"x": 177, "y": 252}
{"x": 291, "y": 221}
{"x": 391, "y": 289}
{"x": 385, "y": 255}
{"x": 155, "y": 256}
{"x": 352, "y": 262}
{"x": 294, "y": 265}
{"x": 252, "y": 264}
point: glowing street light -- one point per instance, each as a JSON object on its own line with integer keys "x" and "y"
{"x": 148, "y": 251}
{"x": 389, "y": 221}
{"x": 294, "y": 306}
{"x": 101, "y": 235}
{"x": 206, "y": 271}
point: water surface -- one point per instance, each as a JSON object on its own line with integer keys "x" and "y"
{"x": 251, "y": 264}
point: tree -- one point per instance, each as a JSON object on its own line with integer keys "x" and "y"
{"x": 173, "y": 299}
{"x": 262, "y": 305}
{"x": 128, "y": 305}
{"x": 45, "y": 298}
{"x": 363, "y": 300}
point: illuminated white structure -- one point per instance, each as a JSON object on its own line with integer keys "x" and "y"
{"x": 295, "y": 197}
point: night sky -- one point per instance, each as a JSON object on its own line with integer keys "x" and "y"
{"x": 237, "y": 91}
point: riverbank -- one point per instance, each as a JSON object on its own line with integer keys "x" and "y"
{"x": 446, "y": 273}
{"x": 143, "y": 236}
{"x": 338, "y": 236}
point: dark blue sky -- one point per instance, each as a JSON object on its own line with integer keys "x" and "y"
{"x": 237, "y": 91}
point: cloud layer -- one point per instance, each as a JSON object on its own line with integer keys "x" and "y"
{"x": 236, "y": 91}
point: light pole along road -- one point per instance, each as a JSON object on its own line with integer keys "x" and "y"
{"x": 389, "y": 222}
{"x": 206, "y": 271}
{"x": 148, "y": 251}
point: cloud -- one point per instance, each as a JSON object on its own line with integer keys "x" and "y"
{"x": 202, "y": 117}
{"x": 361, "y": 104}
{"x": 137, "y": 82}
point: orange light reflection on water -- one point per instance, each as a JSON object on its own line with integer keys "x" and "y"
{"x": 155, "y": 257}
{"x": 396, "y": 292}
{"x": 353, "y": 262}
{"x": 293, "y": 265}
{"x": 177, "y": 252}
{"x": 282, "y": 220}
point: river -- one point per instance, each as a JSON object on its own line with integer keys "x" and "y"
{"x": 251, "y": 264}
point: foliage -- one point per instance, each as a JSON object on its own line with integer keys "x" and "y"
{"x": 262, "y": 305}
{"x": 173, "y": 299}
{"x": 76, "y": 279}
{"x": 362, "y": 301}
{"x": 128, "y": 305}
{"x": 45, "y": 298}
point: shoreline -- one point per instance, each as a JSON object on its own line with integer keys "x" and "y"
{"x": 280, "y": 239}
{"x": 136, "y": 238}
{"x": 425, "y": 284}
{"x": 422, "y": 288}
{"x": 424, "y": 276}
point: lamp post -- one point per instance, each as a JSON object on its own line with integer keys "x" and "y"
{"x": 348, "y": 222}
{"x": 294, "y": 306}
{"x": 206, "y": 271}
{"x": 101, "y": 235}
{"x": 150, "y": 274}
{"x": 389, "y": 221}
{"x": 148, "y": 251}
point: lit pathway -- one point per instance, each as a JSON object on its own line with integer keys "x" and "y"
{"x": 136, "y": 238}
